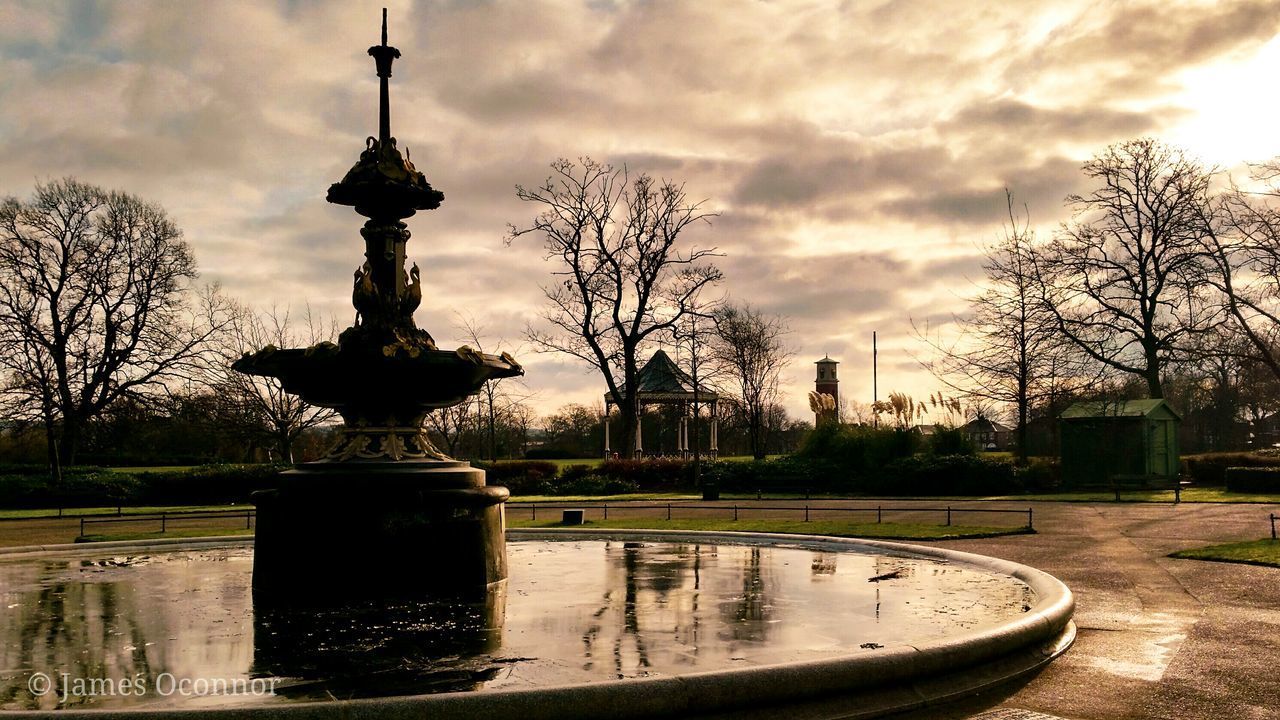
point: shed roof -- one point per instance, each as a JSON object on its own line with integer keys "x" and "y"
{"x": 1152, "y": 408}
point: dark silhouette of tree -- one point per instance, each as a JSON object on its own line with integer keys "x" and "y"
{"x": 749, "y": 350}
{"x": 1126, "y": 280}
{"x": 95, "y": 306}
{"x": 1244, "y": 247}
{"x": 1008, "y": 349}
{"x": 622, "y": 278}
{"x": 257, "y": 407}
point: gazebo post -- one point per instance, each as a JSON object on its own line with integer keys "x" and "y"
{"x": 639, "y": 453}
{"x": 605, "y": 420}
{"x": 715, "y": 431}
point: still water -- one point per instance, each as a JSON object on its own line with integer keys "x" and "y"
{"x": 179, "y": 629}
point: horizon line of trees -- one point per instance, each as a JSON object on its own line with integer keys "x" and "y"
{"x": 1165, "y": 283}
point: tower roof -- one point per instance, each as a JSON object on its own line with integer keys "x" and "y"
{"x": 826, "y": 359}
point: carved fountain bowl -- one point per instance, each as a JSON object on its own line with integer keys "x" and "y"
{"x": 391, "y": 380}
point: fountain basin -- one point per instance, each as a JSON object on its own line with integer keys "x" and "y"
{"x": 824, "y": 675}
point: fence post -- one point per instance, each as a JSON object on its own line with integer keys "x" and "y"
{"x": 1030, "y": 523}
{"x": 879, "y": 514}
{"x": 948, "y": 516}
{"x": 534, "y": 508}
{"x": 606, "y": 511}
{"x": 668, "y": 511}
{"x": 162, "y": 522}
{"x": 1273, "y": 526}
{"x": 119, "y": 511}
{"x": 59, "y": 511}
{"x": 248, "y": 520}
{"x": 806, "y": 513}
{"x": 735, "y": 516}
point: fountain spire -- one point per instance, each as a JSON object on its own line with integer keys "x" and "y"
{"x": 383, "y": 56}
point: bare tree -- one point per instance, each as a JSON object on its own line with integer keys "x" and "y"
{"x": 748, "y": 347}
{"x": 1244, "y": 247}
{"x": 622, "y": 277}
{"x": 95, "y": 305}
{"x": 495, "y": 401}
{"x": 693, "y": 336}
{"x": 1125, "y": 282}
{"x": 448, "y": 425}
{"x": 1008, "y": 349}
{"x": 257, "y": 407}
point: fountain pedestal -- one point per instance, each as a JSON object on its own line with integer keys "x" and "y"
{"x": 386, "y": 514}
{"x": 379, "y": 529}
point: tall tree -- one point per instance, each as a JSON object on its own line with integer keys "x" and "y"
{"x": 95, "y": 305}
{"x": 257, "y": 407}
{"x": 748, "y": 347}
{"x": 623, "y": 277}
{"x": 1008, "y": 349}
{"x": 693, "y": 337}
{"x": 1244, "y": 247}
{"x": 1125, "y": 281}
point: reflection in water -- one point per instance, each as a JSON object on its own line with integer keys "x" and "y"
{"x": 574, "y": 612}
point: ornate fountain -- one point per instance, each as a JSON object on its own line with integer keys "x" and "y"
{"x": 385, "y": 512}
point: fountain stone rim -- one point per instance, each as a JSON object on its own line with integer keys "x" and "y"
{"x": 883, "y": 681}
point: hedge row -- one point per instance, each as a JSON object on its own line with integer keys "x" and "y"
{"x": 912, "y": 475}
{"x": 1211, "y": 468}
{"x": 1253, "y": 479}
{"x": 96, "y": 487}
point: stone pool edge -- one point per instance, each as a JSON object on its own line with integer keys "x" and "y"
{"x": 868, "y": 684}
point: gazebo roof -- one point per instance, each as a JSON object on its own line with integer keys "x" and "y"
{"x": 661, "y": 380}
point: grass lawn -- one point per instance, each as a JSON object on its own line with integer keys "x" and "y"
{"x": 183, "y": 533}
{"x": 1256, "y": 552}
{"x": 837, "y": 528}
{"x": 1192, "y": 494}
{"x": 38, "y": 513}
{"x": 152, "y": 469}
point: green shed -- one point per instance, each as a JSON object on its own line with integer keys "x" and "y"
{"x": 1125, "y": 442}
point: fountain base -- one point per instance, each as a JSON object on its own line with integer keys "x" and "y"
{"x": 387, "y": 529}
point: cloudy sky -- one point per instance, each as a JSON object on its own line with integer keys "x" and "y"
{"x": 856, "y": 152}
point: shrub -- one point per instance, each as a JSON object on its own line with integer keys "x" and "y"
{"x": 522, "y": 477}
{"x": 205, "y": 484}
{"x": 79, "y": 489}
{"x": 1253, "y": 479}
{"x": 948, "y": 475}
{"x": 787, "y": 474}
{"x": 1211, "y": 468}
{"x": 596, "y": 485}
{"x": 551, "y": 452}
{"x": 649, "y": 475}
{"x": 858, "y": 449}
{"x": 1041, "y": 475}
{"x": 949, "y": 441}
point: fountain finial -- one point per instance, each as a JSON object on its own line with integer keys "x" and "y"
{"x": 383, "y": 56}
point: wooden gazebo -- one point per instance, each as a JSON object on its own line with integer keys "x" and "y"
{"x": 662, "y": 382}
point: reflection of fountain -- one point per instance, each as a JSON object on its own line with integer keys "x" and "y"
{"x": 385, "y": 513}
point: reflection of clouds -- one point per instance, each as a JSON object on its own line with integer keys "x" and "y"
{"x": 187, "y": 615}
{"x": 576, "y": 612}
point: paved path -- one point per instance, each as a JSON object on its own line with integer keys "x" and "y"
{"x": 1158, "y": 638}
